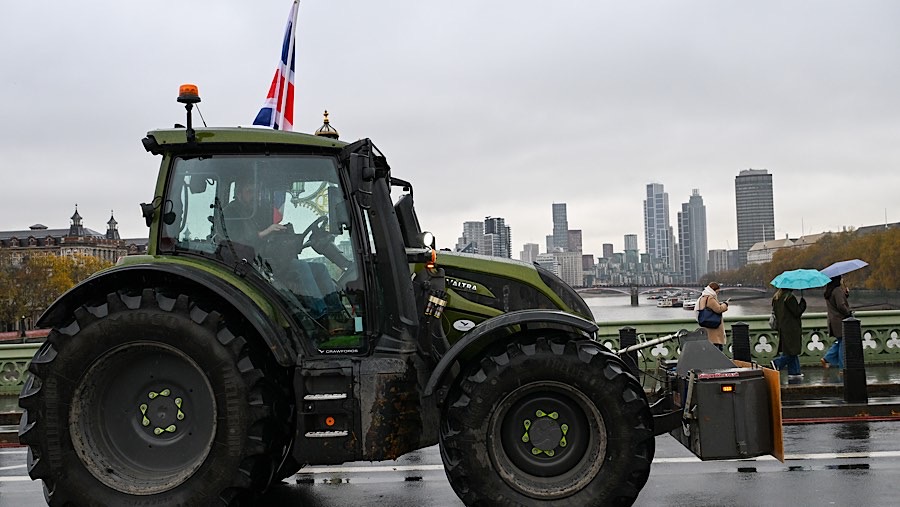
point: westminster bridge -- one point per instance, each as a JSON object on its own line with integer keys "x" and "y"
{"x": 880, "y": 331}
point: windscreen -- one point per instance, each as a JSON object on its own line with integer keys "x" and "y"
{"x": 286, "y": 216}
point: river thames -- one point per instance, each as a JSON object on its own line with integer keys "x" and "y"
{"x": 617, "y": 308}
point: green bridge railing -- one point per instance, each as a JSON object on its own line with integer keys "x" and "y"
{"x": 880, "y": 335}
{"x": 14, "y": 359}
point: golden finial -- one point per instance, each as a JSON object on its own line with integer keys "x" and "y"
{"x": 326, "y": 130}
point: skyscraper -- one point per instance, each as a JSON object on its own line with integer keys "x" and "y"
{"x": 497, "y": 238}
{"x": 587, "y": 262}
{"x": 530, "y": 252}
{"x": 560, "y": 227}
{"x": 608, "y": 250}
{"x": 692, "y": 239}
{"x": 570, "y": 269}
{"x": 658, "y": 236}
{"x": 755, "y": 210}
{"x": 574, "y": 240}
{"x": 718, "y": 261}
{"x": 631, "y": 249}
{"x": 631, "y": 242}
{"x": 472, "y": 238}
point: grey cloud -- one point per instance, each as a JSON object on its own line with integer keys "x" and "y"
{"x": 490, "y": 108}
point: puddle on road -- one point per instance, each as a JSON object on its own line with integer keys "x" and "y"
{"x": 852, "y": 466}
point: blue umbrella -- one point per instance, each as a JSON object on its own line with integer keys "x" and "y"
{"x": 800, "y": 279}
{"x": 843, "y": 267}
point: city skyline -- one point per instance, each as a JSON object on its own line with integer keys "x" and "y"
{"x": 686, "y": 254}
{"x": 686, "y": 94}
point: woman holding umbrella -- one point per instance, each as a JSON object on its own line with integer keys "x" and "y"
{"x": 838, "y": 309}
{"x": 790, "y": 330}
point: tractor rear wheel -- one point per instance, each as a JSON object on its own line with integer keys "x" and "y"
{"x": 147, "y": 399}
{"x": 550, "y": 422}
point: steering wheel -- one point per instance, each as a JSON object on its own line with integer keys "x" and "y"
{"x": 315, "y": 232}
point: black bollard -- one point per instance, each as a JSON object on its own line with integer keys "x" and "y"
{"x": 627, "y": 338}
{"x": 740, "y": 341}
{"x": 634, "y": 295}
{"x": 855, "y": 390}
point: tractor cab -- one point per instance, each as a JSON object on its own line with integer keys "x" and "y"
{"x": 283, "y": 216}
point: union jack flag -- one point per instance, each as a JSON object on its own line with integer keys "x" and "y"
{"x": 278, "y": 110}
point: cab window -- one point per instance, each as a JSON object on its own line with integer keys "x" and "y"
{"x": 288, "y": 218}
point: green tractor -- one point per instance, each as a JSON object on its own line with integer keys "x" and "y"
{"x": 291, "y": 311}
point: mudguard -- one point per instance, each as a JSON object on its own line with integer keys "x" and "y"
{"x": 495, "y": 329}
{"x": 172, "y": 275}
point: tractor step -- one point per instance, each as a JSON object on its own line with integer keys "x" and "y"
{"x": 325, "y": 397}
{"x": 326, "y": 434}
{"x": 327, "y": 411}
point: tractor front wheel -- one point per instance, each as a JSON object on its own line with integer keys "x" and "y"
{"x": 549, "y": 421}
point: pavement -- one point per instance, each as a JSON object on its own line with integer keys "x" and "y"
{"x": 817, "y": 397}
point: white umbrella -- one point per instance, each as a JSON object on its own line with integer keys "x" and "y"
{"x": 843, "y": 267}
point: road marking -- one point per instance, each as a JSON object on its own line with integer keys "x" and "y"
{"x": 431, "y": 468}
{"x": 351, "y": 469}
{"x": 687, "y": 459}
{"x": 792, "y": 457}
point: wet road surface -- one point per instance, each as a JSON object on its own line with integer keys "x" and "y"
{"x": 827, "y": 464}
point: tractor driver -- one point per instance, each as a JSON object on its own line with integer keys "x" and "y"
{"x": 250, "y": 221}
{"x": 248, "y": 225}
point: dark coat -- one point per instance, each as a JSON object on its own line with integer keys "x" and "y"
{"x": 790, "y": 330}
{"x": 838, "y": 310}
{"x": 243, "y": 223}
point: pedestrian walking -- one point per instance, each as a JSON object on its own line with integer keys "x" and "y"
{"x": 838, "y": 308}
{"x": 710, "y": 299}
{"x": 788, "y": 312}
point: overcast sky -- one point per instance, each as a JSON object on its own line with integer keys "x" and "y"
{"x": 489, "y": 108}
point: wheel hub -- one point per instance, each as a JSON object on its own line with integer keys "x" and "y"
{"x": 162, "y": 412}
{"x": 545, "y": 433}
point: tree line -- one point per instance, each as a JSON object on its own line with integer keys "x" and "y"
{"x": 30, "y": 283}
{"x": 880, "y": 249}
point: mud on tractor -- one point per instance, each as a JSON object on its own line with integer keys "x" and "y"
{"x": 291, "y": 311}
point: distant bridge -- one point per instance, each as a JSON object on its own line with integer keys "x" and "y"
{"x": 732, "y": 292}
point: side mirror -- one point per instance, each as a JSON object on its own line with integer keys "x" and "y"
{"x": 148, "y": 208}
{"x": 338, "y": 218}
{"x": 367, "y": 177}
{"x": 362, "y": 173}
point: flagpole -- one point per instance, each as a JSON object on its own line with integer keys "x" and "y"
{"x": 285, "y": 81}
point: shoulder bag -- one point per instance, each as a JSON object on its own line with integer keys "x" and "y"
{"x": 708, "y": 318}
